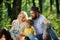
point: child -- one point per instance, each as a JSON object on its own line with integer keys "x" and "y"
{"x": 29, "y": 31}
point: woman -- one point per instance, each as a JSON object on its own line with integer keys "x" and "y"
{"x": 18, "y": 25}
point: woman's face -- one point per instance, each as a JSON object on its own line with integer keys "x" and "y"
{"x": 3, "y": 37}
{"x": 22, "y": 17}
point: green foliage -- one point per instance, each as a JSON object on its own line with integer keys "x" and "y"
{"x": 26, "y": 5}
{"x": 52, "y": 16}
{"x": 5, "y": 21}
{"x": 54, "y": 21}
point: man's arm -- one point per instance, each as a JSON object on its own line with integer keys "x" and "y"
{"x": 46, "y": 26}
{"x": 45, "y": 21}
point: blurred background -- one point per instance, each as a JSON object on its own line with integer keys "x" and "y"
{"x": 9, "y": 9}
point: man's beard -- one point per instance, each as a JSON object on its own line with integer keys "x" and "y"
{"x": 33, "y": 18}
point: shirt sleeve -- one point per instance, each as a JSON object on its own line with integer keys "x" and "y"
{"x": 11, "y": 32}
{"x": 46, "y": 23}
{"x": 33, "y": 30}
{"x": 12, "y": 28}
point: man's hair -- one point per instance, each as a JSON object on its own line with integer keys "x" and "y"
{"x": 34, "y": 8}
{"x": 6, "y": 34}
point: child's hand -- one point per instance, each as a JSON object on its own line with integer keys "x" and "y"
{"x": 35, "y": 33}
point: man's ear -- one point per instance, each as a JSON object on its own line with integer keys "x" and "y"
{"x": 37, "y": 13}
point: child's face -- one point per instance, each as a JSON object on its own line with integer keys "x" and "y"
{"x": 3, "y": 37}
{"x": 28, "y": 25}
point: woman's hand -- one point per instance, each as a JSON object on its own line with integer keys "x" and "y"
{"x": 13, "y": 23}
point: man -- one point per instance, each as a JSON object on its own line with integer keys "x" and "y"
{"x": 40, "y": 23}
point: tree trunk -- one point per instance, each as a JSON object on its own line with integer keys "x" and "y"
{"x": 51, "y": 3}
{"x": 33, "y": 1}
{"x": 9, "y": 9}
{"x": 1, "y": 1}
{"x": 57, "y": 8}
{"x": 16, "y": 8}
{"x": 40, "y": 5}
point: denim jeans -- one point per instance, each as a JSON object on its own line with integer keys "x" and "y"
{"x": 31, "y": 37}
{"x": 39, "y": 37}
{"x": 53, "y": 35}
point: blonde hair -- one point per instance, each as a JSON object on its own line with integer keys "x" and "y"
{"x": 23, "y": 12}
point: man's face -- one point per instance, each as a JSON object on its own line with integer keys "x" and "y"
{"x": 33, "y": 14}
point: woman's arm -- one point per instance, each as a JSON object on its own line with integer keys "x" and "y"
{"x": 13, "y": 23}
{"x": 12, "y": 28}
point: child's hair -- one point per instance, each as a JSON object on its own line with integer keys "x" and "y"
{"x": 30, "y": 22}
{"x": 6, "y": 34}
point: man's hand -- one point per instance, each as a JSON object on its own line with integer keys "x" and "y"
{"x": 44, "y": 35}
{"x": 45, "y": 21}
